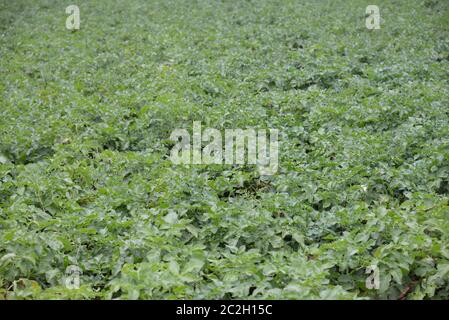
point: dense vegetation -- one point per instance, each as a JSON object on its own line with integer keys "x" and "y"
{"x": 85, "y": 178}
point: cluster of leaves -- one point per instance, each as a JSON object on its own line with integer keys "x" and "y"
{"x": 85, "y": 177}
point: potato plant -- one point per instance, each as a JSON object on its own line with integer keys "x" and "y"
{"x": 85, "y": 175}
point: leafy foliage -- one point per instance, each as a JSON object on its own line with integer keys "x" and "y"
{"x": 85, "y": 178}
